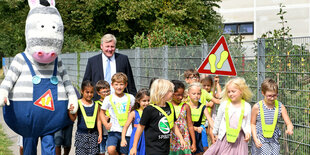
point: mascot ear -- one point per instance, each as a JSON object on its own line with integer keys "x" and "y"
{"x": 52, "y": 2}
{"x": 33, "y": 3}
{"x": 36, "y": 3}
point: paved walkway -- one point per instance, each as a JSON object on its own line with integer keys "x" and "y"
{"x": 14, "y": 137}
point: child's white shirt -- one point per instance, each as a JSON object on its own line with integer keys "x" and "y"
{"x": 220, "y": 123}
{"x": 120, "y": 103}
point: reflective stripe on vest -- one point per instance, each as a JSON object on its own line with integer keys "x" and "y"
{"x": 231, "y": 133}
{"x": 140, "y": 112}
{"x": 170, "y": 118}
{"x": 268, "y": 130}
{"x": 98, "y": 102}
{"x": 89, "y": 120}
{"x": 107, "y": 111}
{"x": 122, "y": 118}
{"x": 196, "y": 113}
{"x": 177, "y": 109}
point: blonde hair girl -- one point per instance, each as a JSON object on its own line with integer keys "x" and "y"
{"x": 159, "y": 89}
{"x": 157, "y": 120}
{"x": 241, "y": 85}
{"x": 232, "y": 124}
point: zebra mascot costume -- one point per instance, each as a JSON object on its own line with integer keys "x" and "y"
{"x": 36, "y": 91}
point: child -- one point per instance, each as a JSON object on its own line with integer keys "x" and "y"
{"x": 184, "y": 122}
{"x": 192, "y": 76}
{"x": 89, "y": 132}
{"x": 142, "y": 100}
{"x": 63, "y": 137}
{"x": 157, "y": 121}
{"x": 207, "y": 99}
{"x": 103, "y": 90}
{"x": 265, "y": 116}
{"x": 198, "y": 110}
{"x": 232, "y": 124}
{"x": 209, "y": 86}
{"x": 119, "y": 105}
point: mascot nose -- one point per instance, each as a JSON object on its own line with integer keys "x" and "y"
{"x": 40, "y": 53}
{"x": 52, "y": 54}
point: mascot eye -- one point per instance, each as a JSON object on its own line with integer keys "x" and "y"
{"x": 53, "y": 27}
{"x": 42, "y": 26}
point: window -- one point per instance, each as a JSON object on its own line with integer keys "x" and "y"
{"x": 239, "y": 28}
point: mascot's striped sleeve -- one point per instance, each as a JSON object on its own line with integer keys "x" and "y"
{"x": 19, "y": 72}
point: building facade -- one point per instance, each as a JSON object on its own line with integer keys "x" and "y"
{"x": 252, "y": 18}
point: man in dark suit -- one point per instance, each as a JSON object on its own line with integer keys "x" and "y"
{"x": 103, "y": 66}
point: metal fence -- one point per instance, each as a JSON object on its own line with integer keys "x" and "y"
{"x": 285, "y": 60}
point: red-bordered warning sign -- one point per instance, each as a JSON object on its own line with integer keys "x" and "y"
{"x": 45, "y": 101}
{"x": 219, "y": 60}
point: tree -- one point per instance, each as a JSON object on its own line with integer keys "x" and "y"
{"x": 86, "y": 21}
{"x": 188, "y": 22}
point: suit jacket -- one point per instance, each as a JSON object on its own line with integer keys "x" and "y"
{"x": 94, "y": 71}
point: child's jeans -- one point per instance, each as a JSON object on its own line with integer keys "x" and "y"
{"x": 63, "y": 137}
{"x": 102, "y": 145}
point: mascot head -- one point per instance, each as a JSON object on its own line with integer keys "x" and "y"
{"x": 44, "y": 31}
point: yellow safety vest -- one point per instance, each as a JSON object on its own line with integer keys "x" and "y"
{"x": 268, "y": 130}
{"x": 205, "y": 96}
{"x": 170, "y": 118}
{"x": 107, "y": 111}
{"x": 89, "y": 120}
{"x": 122, "y": 118}
{"x": 177, "y": 109}
{"x": 231, "y": 133}
{"x": 140, "y": 112}
{"x": 209, "y": 108}
{"x": 196, "y": 113}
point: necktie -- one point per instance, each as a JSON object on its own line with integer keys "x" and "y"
{"x": 107, "y": 76}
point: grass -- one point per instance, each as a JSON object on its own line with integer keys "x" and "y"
{"x": 5, "y": 143}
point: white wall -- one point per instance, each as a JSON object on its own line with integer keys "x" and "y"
{"x": 263, "y": 14}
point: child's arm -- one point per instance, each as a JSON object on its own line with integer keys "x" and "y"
{"x": 103, "y": 120}
{"x": 218, "y": 87}
{"x": 177, "y": 132}
{"x": 209, "y": 98}
{"x": 254, "y": 114}
{"x": 206, "y": 113}
{"x": 215, "y": 100}
{"x": 287, "y": 121}
{"x": 71, "y": 116}
{"x": 99, "y": 126}
{"x": 209, "y": 104}
{"x": 138, "y": 133}
{"x": 190, "y": 127}
{"x": 125, "y": 128}
{"x": 247, "y": 128}
{"x": 210, "y": 133}
{"x": 218, "y": 119}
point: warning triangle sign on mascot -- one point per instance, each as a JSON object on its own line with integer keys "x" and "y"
{"x": 219, "y": 60}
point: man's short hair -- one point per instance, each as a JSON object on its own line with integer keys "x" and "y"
{"x": 119, "y": 77}
{"x": 190, "y": 72}
{"x": 101, "y": 84}
{"x": 108, "y": 38}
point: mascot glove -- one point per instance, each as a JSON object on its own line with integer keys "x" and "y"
{"x": 4, "y": 96}
{"x": 74, "y": 101}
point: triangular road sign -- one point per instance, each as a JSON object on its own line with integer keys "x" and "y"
{"x": 45, "y": 101}
{"x": 218, "y": 61}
